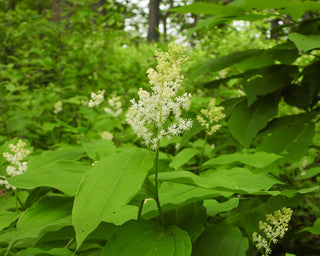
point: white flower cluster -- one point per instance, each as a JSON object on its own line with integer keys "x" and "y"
{"x": 210, "y": 116}
{"x": 115, "y": 107}
{"x": 149, "y": 116}
{"x": 106, "y": 135}
{"x": 274, "y": 228}
{"x": 17, "y": 167}
{"x": 58, "y": 107}
{"x": 96, "y": 98}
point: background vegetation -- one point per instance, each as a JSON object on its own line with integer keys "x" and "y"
{"x": 259, "y": 59}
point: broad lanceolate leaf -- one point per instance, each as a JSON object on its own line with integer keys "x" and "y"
{"x": 289, "y": 136}
{"x": 221, "y": 239}
{"x": 244, "y": 123}
{"x": 7, "y": 217}
{"x": 107, "y": 188}
{"x": 223, "y": 62}
{"x": 315, "y": 229}
{"x": 214, "y": 207}
{"x": 256, "y": 159}
{"x": 235, "y": 179}
{"x": 305, "y": 43}
{"x": 148, "y": 238}
{"x": 183, "y": 157}
{"x": 49, "y": 214}
{"x": 191, "y": 218}
{"x": 98, "y": 149}
{"x": 173, "y": 195}
{"x": 63, "y": 175}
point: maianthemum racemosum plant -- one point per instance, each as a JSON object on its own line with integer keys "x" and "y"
{"x": 157, "y": 115}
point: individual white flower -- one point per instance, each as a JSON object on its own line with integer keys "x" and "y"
{"x": 58, "y": 106}
{"x": 106, "y": 135}
{"x": 115, "y": 107}
{"x": 274, "y": 228}
{"x": 96, "y": 98}
{"x": 5, "y": 183}
{"x": 158, "y": 114}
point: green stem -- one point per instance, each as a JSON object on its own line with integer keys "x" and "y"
{"x": 156, "y": 197}
{"x": 140, "y": 209}
{"x": 68, "y": 244}
{"x": 18, "y": 201}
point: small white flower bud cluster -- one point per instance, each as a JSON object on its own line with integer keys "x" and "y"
{"x": 96, "y": 99}
{"x": 17, "y": 167}
{"x": 115, "y": 107}
{"x": 210, "y": 116}
{"x": 58, "y": 107}
{"x": 149, "y": 117}
{"x": 274, "y": 228}
{"x": 106, "y": 135}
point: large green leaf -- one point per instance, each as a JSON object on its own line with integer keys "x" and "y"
{"x": 49, "y": 214}
{"x": 191, "y": 218}
{"x": 148, "y": 238}
{"x": 39, "y": 251}
{"x": 305, "y": 42}
{"x": 244, "y": 123}
{"x": 62, "y": 175}
{"x": 221, "y": 239}
{"x": 64, "y": 153}
{"x": 223, "y": 62}
{"x": 98, "y": 149}
{"x": 210, "y": 9}
{"x": 214, "y": 207}
{"x": 256, "y": 159}
{"x": 7, "y": 217}
{"x": 183, "y": 157}
{"x": 107, "y": 188}
{"x": 236, "y": 179}
{"x": 289, "y": 136}
{"x": 174, "y": 195}
{"x": 315, "y": 229}
{"x": 268, "y": 80}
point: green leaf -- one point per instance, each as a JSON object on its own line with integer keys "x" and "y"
{"x": 62, "y": 175}
{"x": 235, "y": 179}
{"x": 191, "y": 218}
{"x": 107, "y": 188}
{"x": 305, "y": 43}
{"x": 309, "y": 173}
{"x": 315, "y": 228}
{"x": 268, "y": 80}
{"x": 221, "y": 239}
{"x": 183, "y": 157}
{"x": 289, "y": 136}
{"x": 63, "y": 153}
{"x": 49, "y": 214}
{"x": 244, "y": 123}
{"x": 223, "y": 62}
{"x": 7, "y": 217}
{"x": 256, "y": 159}
{"x": 174, "y": 195}
{"x": 38, "y": 251}
{"x": 214, "y": 207}
{"x": 148, "y": 238}
{"x": 209, "y": 8}
{"x": 98, "y": 149}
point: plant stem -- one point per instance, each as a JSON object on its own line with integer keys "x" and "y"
{"x": 156, "y": 197}
{"x": 140, "y": 209}
{"x": 18, "y": 201}
{"x": 68, "y": 244}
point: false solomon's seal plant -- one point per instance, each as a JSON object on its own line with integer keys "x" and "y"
{"x": 158, "y": 115}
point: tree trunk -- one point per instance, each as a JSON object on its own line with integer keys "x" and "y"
{"x": 164, "y": 20}
{"x": 56, "y": 10}
{"x": 154, "y": 18}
